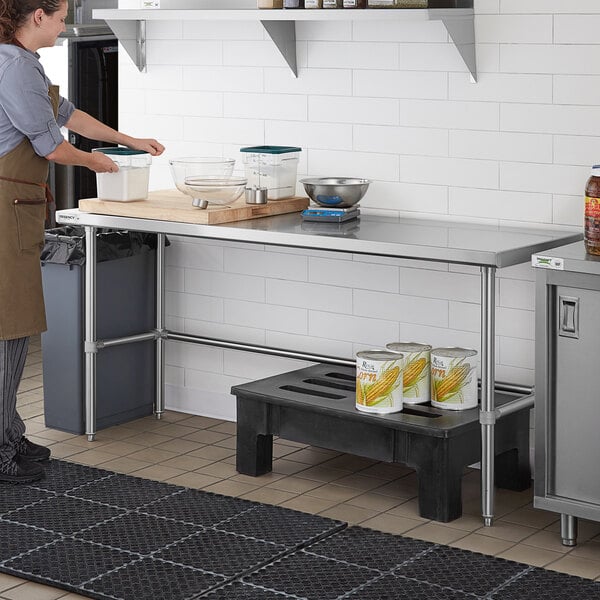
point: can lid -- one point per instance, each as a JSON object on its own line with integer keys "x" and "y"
{"x": 120, "y": 151}
{"x": 379, "y": 355}
{"x": 407, "y": 347}
{"x": 454, "y": 352}
{"x": 271, "y": 149}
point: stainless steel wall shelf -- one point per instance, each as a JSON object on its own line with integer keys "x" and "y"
{"x": 129, "y": 25}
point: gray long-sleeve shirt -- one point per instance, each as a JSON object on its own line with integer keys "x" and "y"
{"x": 25, "y": 108}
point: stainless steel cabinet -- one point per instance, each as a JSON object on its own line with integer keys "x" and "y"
{"x": 567, "y": 389}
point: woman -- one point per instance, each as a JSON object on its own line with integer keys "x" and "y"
{"x": 31, "y": 115}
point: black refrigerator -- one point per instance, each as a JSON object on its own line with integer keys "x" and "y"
{"x": 93, "y": 76}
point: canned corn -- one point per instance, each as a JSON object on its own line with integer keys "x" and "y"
{"x": 379, "y": 381}
{"x": 415, "y": 372}
{"x": 454, "y": 378}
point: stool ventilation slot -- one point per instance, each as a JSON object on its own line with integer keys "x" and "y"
{"x": 309, "y": 392}
{"x": 344, "y": 376}
{"x": 331, "y": 384}
{"x": 419, "y": 413}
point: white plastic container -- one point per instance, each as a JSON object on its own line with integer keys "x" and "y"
{"x": 130, "y": 182}
{"x": 272, "y": 167}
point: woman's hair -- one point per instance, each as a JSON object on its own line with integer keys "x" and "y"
{"x": 14, "y": 13}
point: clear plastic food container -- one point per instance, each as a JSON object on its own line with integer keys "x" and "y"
{"x": 131, "y": 181}
{"x": 272, "y": 167}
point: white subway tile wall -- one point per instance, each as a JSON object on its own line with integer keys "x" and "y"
{"x": 387, "y": 100}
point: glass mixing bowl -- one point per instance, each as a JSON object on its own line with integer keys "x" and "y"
{"x": 205, "y": 179}
{"x": 213, "y": 190}
{"x": 200, "y": 166}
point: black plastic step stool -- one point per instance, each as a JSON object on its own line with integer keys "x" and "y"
{"x": 316, "y": 406}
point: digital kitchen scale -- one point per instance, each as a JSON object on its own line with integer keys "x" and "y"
{"x": 345, "y": 229}
{"x": 330, "y": 215}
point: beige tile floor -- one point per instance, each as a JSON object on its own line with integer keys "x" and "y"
{"x": 199, "y": 452}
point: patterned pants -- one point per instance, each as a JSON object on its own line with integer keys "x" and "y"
{"x": 12, "y": 361}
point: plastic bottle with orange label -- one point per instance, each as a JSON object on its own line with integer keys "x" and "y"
{"x": 591, "y": 224}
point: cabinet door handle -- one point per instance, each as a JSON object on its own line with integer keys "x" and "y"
{"x": 568, "y": 316}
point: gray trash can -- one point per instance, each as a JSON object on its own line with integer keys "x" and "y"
{"x": 125, "y": 306}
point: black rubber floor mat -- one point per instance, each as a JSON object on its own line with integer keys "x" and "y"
{"x": 138, "y": 533}
{"x": 291, "y": 528}
{"x": 461, "y": 570}
{"x": 63, "y": 476}
{"x": 243, "y": 591}
{"x": 220, "y": 552}
{"x": 117, "y": 537}
{"x": 198, "y": 508}
{"x": 538, "y": 584}
{"x": 390, "y": 587}
{"x": 17, "y": 496}
{"x": 369, "y": 548}
{"x": 63, "y": 514}
{"x": 313, "y": 577}
{"x": 123, "y": 491}
{"x": 69, "y": 562}
{"x": 152, "y": 579}
{"x": 16, "y": 539}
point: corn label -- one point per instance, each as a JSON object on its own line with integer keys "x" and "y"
{"x": 417, "y": 368}
{"x": 453, "y": 379}
{"x": 416, "y": 378}
{"x": 379, "y": 381}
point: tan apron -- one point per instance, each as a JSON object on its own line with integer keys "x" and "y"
{"x": 23, "y": 204}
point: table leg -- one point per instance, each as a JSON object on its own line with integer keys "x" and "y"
{"x": 568, "y": 530}
{"x": 487, "y": 414}
{"x": 90, "y": 345}
{"x": 159, "y": 403}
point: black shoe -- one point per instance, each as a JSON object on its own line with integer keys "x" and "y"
{"x": 32, "y": 452}
{"x": 20, "y": 470}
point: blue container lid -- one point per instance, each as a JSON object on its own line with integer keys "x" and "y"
{"x": 271, "y": 149}
{"x": 120, "y": 151}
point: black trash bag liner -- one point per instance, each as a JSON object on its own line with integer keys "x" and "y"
{"x": 66, "y": 245}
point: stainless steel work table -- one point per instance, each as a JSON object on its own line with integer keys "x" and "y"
{"x": 485, "y": 246}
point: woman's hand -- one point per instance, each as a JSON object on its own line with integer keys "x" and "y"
{"x": 146, "y": 145}
{"x": 84, "y": 124}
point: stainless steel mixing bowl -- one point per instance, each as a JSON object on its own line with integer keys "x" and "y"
{"x": 335, "y": 192}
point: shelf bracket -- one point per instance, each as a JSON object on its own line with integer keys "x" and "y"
{"x": 283, "y": 34}
{"x": 132, "y": 35}
{"x": 462, "y": 31}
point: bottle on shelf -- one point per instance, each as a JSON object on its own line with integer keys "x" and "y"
{"x": 591, "y": 228}
{"x": 333, "y": 4}
{"x": 293, "y": 3}
{"x": 270, "y": 3}
{"x": 313, "y": 3}
{"x": 355, "y": 3}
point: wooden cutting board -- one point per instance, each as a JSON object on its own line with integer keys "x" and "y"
{"x": 172, "y": 205}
